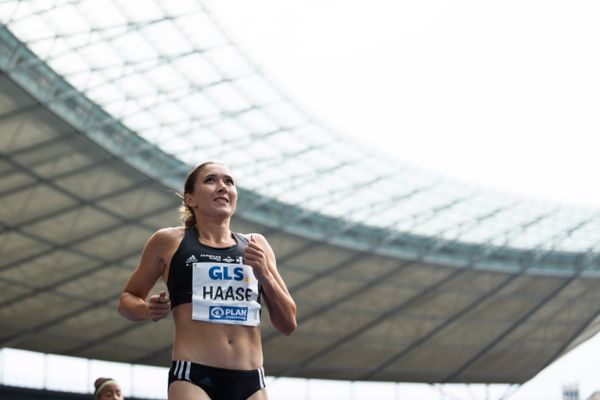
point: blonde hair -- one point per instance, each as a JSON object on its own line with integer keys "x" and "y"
{"x": 186, "y": 214}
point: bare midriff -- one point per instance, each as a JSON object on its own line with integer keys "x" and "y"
{"x": 216, "y": 345}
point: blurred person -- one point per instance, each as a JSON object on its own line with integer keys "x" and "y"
{"x": 107, "y": 389}
{"x": 216, "y": 281}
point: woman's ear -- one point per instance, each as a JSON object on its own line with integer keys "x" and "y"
{"x": 187, "y": 200}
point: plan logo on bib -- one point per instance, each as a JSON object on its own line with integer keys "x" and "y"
{"x": 228, "y": 313}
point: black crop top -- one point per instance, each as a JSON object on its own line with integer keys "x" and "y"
{"x": 191, "y": 251}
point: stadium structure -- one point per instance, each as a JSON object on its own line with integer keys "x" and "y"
{"x": 398, "y": 274}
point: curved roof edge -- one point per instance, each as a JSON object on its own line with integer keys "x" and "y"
{"x": 44, "y": 84}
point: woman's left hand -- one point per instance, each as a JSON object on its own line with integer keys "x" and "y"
{"x": 282, "y": 308}
{"x": 255, "y": 256}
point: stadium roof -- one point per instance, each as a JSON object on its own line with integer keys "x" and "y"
{"x": 399, "y": 275}
{"x": 167, "y": 71}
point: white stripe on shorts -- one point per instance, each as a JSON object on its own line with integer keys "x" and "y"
{"x": 180, "y": 369}
{"x": 261, "y": 378}
{"x": 187, "y": 370}
{"x": 183, "y": 367}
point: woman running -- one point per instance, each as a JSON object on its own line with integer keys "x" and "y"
{"x": 217, "y": 281}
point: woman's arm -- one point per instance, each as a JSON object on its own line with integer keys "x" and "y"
{"x": 282, "y": 308}
{"x": 132, "y": 303}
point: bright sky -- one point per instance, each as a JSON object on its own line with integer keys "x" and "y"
{"x": 504, "y": 94}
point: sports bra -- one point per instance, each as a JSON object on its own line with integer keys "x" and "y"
{"x": 215, "y": 280}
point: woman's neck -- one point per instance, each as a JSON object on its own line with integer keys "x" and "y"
{"x": 215, "y": 234}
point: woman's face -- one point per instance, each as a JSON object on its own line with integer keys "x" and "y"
{"x": 112, "y": 391}
{"x": 214, "y": 192}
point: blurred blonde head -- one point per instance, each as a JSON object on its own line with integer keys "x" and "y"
{"x": 107, "y": 389}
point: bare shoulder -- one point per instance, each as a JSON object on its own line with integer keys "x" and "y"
{"x": 167, "y": 236}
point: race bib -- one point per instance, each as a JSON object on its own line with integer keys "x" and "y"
{"x": 225, "y": 293}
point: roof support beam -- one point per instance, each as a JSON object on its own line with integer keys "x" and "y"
{"x": 496, "y": 340}
{"x": 439, "y": 329}
{"x": 453, "y": 318}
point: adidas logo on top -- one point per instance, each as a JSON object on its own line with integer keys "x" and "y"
{"x": 191, "y": 259}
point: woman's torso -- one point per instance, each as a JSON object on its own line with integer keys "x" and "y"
{"x": 232, "y": 345}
